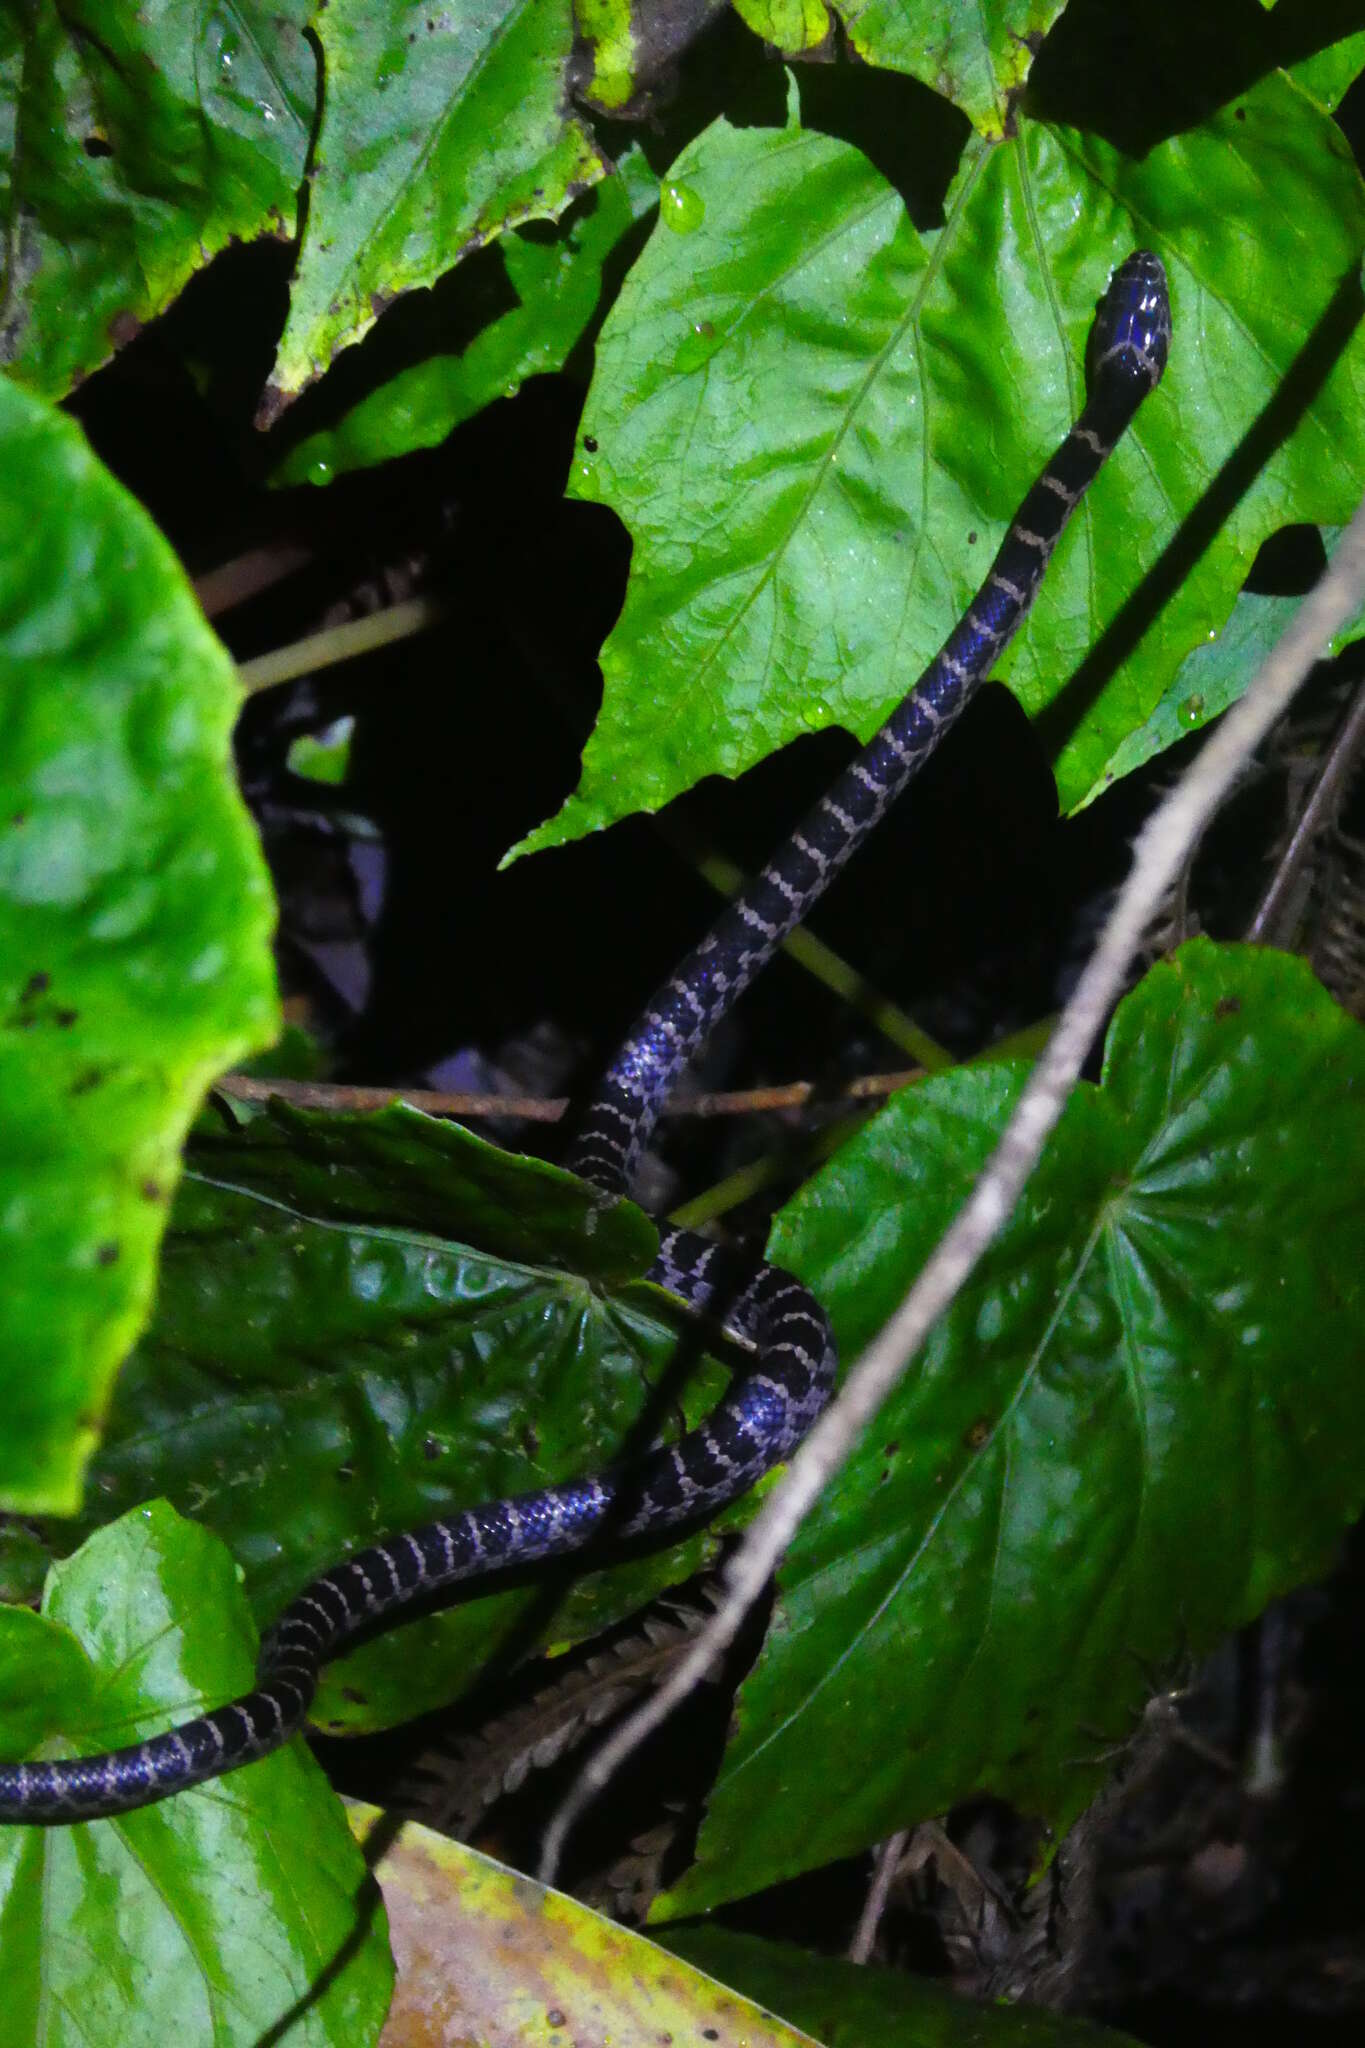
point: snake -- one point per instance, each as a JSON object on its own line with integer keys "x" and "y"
{"x": 790, "y": 1365}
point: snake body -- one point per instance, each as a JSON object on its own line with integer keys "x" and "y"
{"x": 773, "y": 1404}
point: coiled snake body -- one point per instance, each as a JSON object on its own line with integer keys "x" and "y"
{"x": 770, "y": 1409}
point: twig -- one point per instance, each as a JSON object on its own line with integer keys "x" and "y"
{"x": 792, "y": 1095}
{"x": 546, "y": 1109}
{"x": 232, "y": 583}
{"x": 884, "y": 1869}
{"x": 340, "y": 643}
{"x": 1333, "y": 780}
{"x": 1160, "y": 848}
{"x": 342, "y": 1096}
{"x": 1264, "y": 1772}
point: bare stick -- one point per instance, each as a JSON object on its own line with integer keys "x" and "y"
{"x": 1161, "y": 846}
{"x": 1334, "y": 779}
{"x": 232, "y": 583}
{"x": 340, "y": 643}
{"x": 546, "y": 1109}
{"x": 885, "y": 1865}
{"x": 347, "y": 1097}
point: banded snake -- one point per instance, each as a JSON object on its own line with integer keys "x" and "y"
{"x": 772, "y": 1406}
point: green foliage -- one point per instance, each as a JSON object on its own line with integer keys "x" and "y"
{"x": 794, "y": 565}
{"x": 847, "y": 2005}
{"x": 327, "y": 1366}
{"x": 134, "y": 926}
{"x": 554, "y": 283}
{"x": 223, "y": 1909}
{"x": 824, "y": 373}
{"x": 1214, "y": 676}
{"x": 441, "y": 128}
{"x": 606, "y": 30}
{"x": 975, "y": 57}
{"x": 983, "y": 1595}
{"x": 137, "y": 142}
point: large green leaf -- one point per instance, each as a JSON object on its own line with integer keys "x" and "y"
{"x": 217, "y": 1916}
{"x": 816, "y": 422}
{"x": 135, "y": 920}
{"x": 441, "y": 128}
{"x": 135, "y": 142}
{"x": 1141, "y": 1420}
{"x": 327, "y": 1366}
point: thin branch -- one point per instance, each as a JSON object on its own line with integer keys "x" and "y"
{"x": 1160, "y": 848}
{"x": 342, "y": 1096}
{"x": 886, "y": 1863}
{"x": 792, "y": 1095}
{"x": 1334, "y": 779}
{"x": 547, "y": 1109}
{"x": 259, "y": 569}
{"x": 340, "y": 643}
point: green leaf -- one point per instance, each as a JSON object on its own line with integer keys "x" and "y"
{"x": 327, "y": 1366}
{"x": 324, "y": 756}
{"x": 442, "y": 128}
{"x": 792, "y": 26}
{"x": 1116, "y": 1447}
{"x": 847, "y": 2005}
{"x": 555, "y": 281}
{"x": 135, "y": 919}
{"x": 135, "y": 142}
{"x": 211, "y": 1918}
{"x": 977, "y": 57}
{"x": 44, "y": 1680}
{"x": 816, "y": 424}
{"x": 633, "y": 59}
{"x": 1216, "y": 675}
{"x": 397, "y": 1169}
{"x": 607, "y": 31}
{"x": 1329, "y": 74}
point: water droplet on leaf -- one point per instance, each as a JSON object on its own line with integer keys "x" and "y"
{"x": 680, "y": 208}
{"x": 1192, "y": 709}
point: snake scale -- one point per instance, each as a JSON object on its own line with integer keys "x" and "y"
{"x": 774, "y": 1403}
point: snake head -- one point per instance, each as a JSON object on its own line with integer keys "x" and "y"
{"x": 1131, "y": 337}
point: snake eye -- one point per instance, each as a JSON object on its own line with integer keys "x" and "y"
{"x": 1131, "y": 338}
